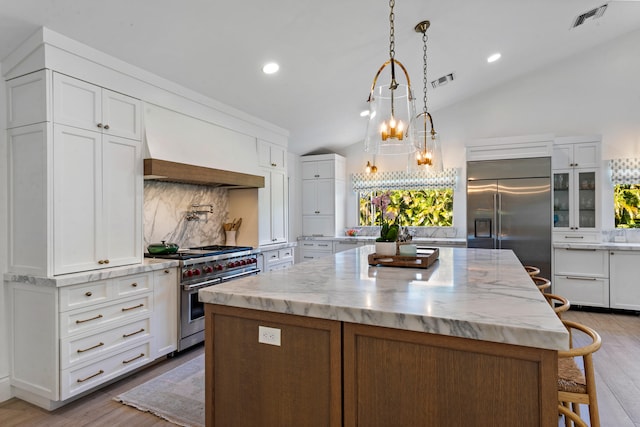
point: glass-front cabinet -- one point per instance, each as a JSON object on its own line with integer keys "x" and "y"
{"x": 576, "y": 182}
{"x": 574, "y": 199}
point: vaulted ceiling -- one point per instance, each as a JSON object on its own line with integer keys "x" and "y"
{"x": 328, "y": 51}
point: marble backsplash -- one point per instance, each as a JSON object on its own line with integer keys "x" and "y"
{"x": 168, "y": 214}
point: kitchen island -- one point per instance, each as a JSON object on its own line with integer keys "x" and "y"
{"x": 334, "y": 341}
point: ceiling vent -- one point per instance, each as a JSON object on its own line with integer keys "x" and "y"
{"x": 589, "y": 16}
{"x": 443, "y": 80}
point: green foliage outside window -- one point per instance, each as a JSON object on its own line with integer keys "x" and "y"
{"x": 415, "y": 208}
{"x": 626, "y": 200}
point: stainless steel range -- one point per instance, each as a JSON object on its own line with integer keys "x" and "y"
{"x": 201, "y": 267}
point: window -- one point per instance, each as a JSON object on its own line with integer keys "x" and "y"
{"x": 416, "y": 208}
{"x": 626, "y": 204}
{"x": 421, "y": 199}
{"x": 625, "y": 176}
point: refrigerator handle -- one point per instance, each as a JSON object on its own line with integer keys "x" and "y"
{"x": 499, "y": 223}
{"x": 496, "y": 234}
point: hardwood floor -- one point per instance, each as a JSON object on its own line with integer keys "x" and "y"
{"x": 97, "y": 408}
{"x": 616, "y": 364}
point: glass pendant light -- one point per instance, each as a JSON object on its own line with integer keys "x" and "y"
{"x": 429, "y": 153}
{"x": 391, "y": 108}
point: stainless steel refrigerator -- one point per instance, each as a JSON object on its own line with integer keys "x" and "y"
{"x": 509, "y": 207}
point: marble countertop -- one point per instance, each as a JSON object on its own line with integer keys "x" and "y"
{"x": 480, "y": 294}
{"x": 149, "y": 264}
{"x": 370, "y": 239}
{"x": 609, "y": 246}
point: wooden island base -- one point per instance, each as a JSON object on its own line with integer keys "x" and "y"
{"x": 332, "y": 373}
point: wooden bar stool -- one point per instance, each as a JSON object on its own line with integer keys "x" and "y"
{"x": 559, "y": 303}
{"x": 541, "y": 283}
{"x": 575, "y": 385}
{"x": 531, "y": 270}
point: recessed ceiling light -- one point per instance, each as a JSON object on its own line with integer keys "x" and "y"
{"x": 494, "y": 57}
{"x": 364, "y": 113}
{"x": 270, "y": 68}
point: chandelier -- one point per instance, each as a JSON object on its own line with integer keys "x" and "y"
{"x": 427, "y": 140}
{"x": 391, "y": 108}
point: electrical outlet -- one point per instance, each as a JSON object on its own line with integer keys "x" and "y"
{"x": 268, "y": 335}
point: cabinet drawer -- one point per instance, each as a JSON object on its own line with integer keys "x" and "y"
{"x": 77, "y": 350}
{"x": 581, "y": 262}
{"x": 77, "y": 380}
{"x": 132, "y": 285}
{"x": 285, "y": 254}
{"x": 306, "y": 255}
{"x": 593, "y": 292}
{"x": 83, "y": 295}
{"x": 324, "y": 245}
{"x": 77, "y": 321}
{"x": 576, "y": 237}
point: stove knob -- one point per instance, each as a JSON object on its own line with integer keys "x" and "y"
{"x": 219, "y": 267}
{"x": 243, "y": 262}
{"x": 231, "y": 265}
{"x": 254, "y": 261}
{"x": 207, "y": 269}
{"x": 188, "y": 273}
{"x": 196, "y": 272}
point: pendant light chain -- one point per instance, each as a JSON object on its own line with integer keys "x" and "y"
{"x": 392, "y": 49}
{"x": 424, "y": 69}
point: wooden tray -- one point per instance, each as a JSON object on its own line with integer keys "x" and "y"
{"x": 421, "y": 260}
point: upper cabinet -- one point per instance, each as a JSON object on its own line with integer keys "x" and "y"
{"x": 271, "y": 155}
{"x": 576, "y": 189}
{"x": 83, "y": 105}
{"x": 323, "y": 195}
{"x": 75, "y": 187}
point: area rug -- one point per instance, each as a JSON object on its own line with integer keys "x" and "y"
{"x": 176, "y": 396}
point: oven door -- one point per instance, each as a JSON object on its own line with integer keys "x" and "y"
{"x": 192, "y": 314}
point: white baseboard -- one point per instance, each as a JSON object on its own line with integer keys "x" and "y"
{"x": 5, "y": 389}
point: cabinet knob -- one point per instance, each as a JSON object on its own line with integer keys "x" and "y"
{"x": 134, "y": 285}
{"x": 317, "y": 176}
{"x": 88, "y": 294}
{"x": 100, "y": 125}
{"x": 274, "y": 165}
{"x": 106, "y": 127}
{"x": 167, "y": 272}
{"x": 103, "y": 261}
{"x": 317, "y": 212}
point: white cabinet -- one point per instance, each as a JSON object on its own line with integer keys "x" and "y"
{"x": 582, "y": 276}
{"x": 624, "y": 289}
{"x": 576, "y": 190}
{"x": 68, "y": 340}
{"x": 311, "y": 249}
{"x": 271, "y": 155}
{"x": 277, "y": 259}
{"x": 165, "y": 311}
{"x": 75, "y": 189}
{"x": 87, "y": 106}
{"x": 323, "y": 195}
{"x": 272, "y": 208}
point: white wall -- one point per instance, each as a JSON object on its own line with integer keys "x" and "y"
{"x": 4, "y": 342}
{"x": 595, "y": 92}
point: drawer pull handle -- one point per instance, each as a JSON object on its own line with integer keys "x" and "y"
{"x": 135, "y": 358}
{"x": 99, "y": 316}
{"x": 133, "y": 333}
{"x": 81, "y": 380}
{"x": 581, "y": 278}
{"x": 274, "y": 256}
{"x": 132, "y": 308}
{"x": 167, "y": 272}
{"x": 91, "y": 348}
{"x": 88, "y": 294}
{"x": 574, "y": 237}
{"x": 134, "y": 284}
{"x": 579, "y": 249}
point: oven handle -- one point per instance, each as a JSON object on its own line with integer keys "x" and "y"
{"x": 246, "y": 273}
{"x": 201, "y": 284}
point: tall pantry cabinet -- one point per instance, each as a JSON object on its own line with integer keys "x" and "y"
{"x": 323, "y": 195}
{"x": 272, "y": 199}
{"x": 75, "y": 176}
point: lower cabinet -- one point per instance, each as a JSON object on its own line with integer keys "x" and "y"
{"x": 331, "y": 373}
{"x": 311, "y": 249}
{"x": 582, "y": 276}
{"x": 624, "y": 287}
{"x": 68, "y": 340}
{"x": 277, "y": 259}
